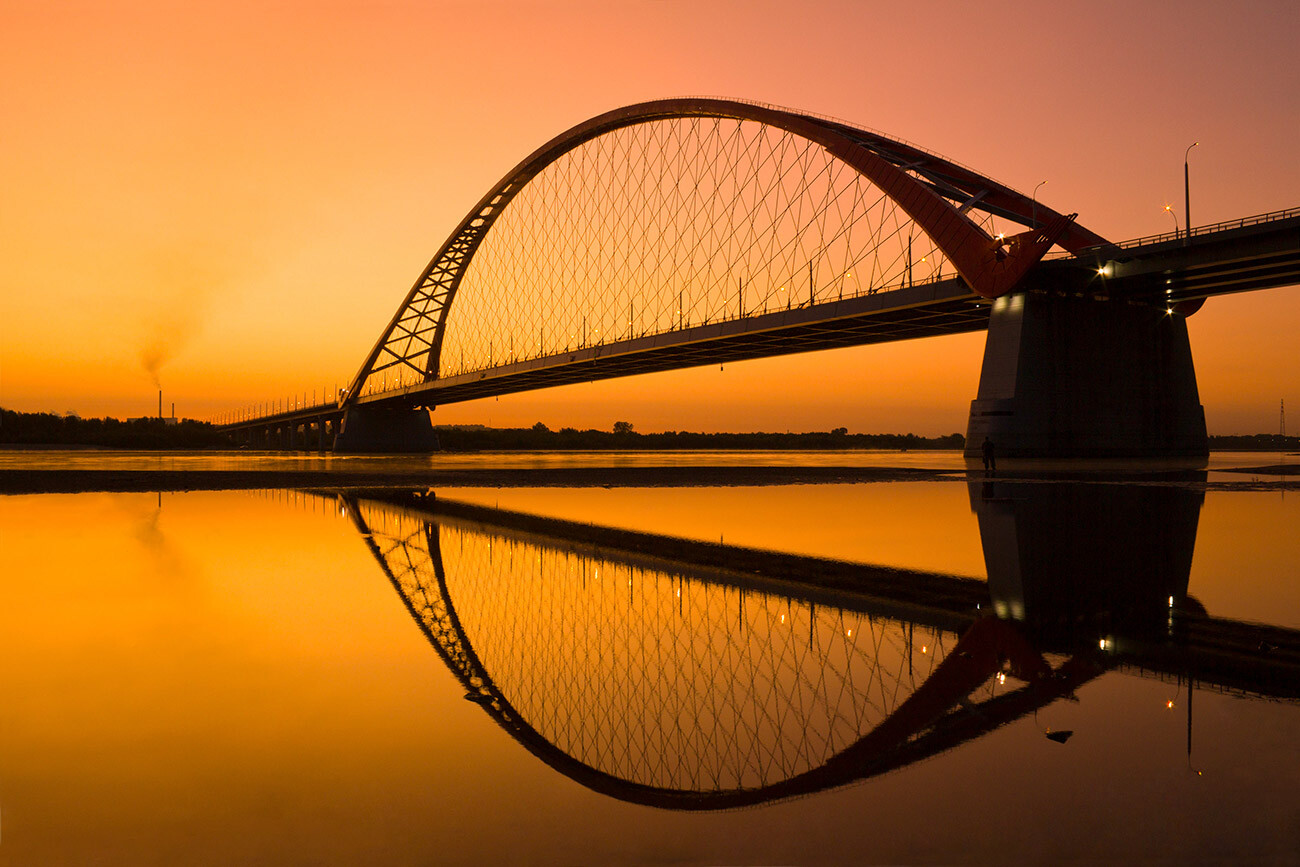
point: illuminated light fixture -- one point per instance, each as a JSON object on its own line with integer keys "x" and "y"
{"x": 1102, "y": 271}
{"x": 1171, "y": 602}
{"x": 1169, "y": 704}
{"x": 925, "y": 649}
{"x": 849, "y": 633}
{"x": 1002, "y": 678}
{"x": 1102, "y": 644}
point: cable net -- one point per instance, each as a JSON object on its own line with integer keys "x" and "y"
{"x": 657, "y": 227}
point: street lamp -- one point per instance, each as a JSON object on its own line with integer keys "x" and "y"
{"x": 1034, "y": 198}
{"x": 1170, "y": 209}
{"x": 1187, "y": 196}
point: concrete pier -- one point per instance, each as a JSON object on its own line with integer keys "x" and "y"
{"x": 1069, "y": 377}
{"x": 380, "y": 429}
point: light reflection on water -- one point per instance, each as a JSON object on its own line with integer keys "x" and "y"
{"x": 258, "y": 689}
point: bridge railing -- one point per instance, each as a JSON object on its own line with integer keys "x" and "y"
{"x": 785, "y": 299}
{"x": 281, "y": 408}
{"x": 1210, "y": 229}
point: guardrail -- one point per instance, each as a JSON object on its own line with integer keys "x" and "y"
{"x": 1239, "y": 223}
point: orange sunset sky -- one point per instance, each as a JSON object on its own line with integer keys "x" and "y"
{"x": 244, "y": 191}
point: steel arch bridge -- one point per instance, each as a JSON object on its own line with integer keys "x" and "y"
{"x": 689, "y": 211}
{"x": 685, "y": 232}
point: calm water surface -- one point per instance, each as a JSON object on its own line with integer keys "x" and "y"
{"x": 97, "y": 459}
{"x": 274, "y": 677}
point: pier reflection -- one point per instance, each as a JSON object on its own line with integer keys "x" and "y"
{"x": 698, "y": 676}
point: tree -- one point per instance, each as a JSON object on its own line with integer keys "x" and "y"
{"x": 541, "y": 428}
{"x": 623, "y": 427}
{"x": 840, "y": 432}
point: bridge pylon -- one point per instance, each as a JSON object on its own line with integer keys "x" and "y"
{"x": 385, "y": 429}
{"x": 1083, "y": 377}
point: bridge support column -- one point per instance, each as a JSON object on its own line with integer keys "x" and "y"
{"x": 375, "y": 429}
{"x": 1068, "y": 377}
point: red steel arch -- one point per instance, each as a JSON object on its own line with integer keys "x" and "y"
{"x": 935, "y": 192}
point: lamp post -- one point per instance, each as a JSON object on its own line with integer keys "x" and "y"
{"x": 1034, "y": 199}
{"x": 1187, "y": 197}
{"x": 1170, "y": 209}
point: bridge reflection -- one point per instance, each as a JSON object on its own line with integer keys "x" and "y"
{"x": 697, "y": 676}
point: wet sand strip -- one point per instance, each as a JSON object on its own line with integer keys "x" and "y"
{"x": 54, "y": 481}
{"x": 59, "y": 481}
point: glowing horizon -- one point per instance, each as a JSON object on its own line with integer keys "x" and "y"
{"x": 232, "y": 200}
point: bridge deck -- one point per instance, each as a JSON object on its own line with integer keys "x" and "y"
{"x": 926, "y": 310}
{"x": 1244, "y": 255}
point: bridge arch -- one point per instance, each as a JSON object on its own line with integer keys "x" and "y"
{"x": 718, "y": 190}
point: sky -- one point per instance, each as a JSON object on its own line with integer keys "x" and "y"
{"x": 231, "y": 199}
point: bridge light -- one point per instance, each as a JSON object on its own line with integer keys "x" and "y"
{"x": 1169, "y": 704}
{"x": 1002, "y": 678}
{"x": 925, "y": 648}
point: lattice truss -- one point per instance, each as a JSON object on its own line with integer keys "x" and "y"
{"x": 651, "y": 228}
{"x": 655, "y": 678}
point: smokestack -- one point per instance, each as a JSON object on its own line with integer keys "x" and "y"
{"x": 173, "y": 410}
{"x": 160, "y": 415}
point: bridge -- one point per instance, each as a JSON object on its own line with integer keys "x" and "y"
{"x": 687, "y": 232}
{"x": 696, "y": 676}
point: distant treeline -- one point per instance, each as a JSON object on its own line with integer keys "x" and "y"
{"x": 1255, "y": 443}
{"x": 48, "y": 429}
{"x": 456, "y": 438}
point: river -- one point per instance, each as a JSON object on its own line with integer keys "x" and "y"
{"x": 1017, "y": 669}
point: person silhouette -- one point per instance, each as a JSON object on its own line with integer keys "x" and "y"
{"x": 990, "y": 462}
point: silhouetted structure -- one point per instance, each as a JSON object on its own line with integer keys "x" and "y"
{"x": 647, "y": 240}
{"x": 694, "y": 676}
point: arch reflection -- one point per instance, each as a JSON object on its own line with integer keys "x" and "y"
{"x": 695, "y": 676}
{"x": 672, "y": 680}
